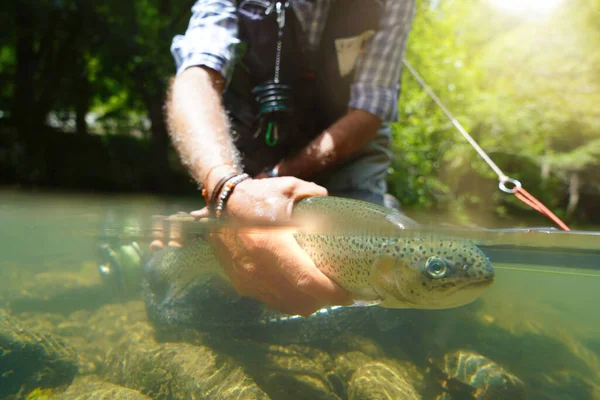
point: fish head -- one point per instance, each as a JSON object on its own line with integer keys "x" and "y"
{"x": 431, "y": 274}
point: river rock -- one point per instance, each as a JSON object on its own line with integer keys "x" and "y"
{"x": 379, "y": 381}
{"x": 92, "y": 388}
{"x": 29, "y": 359}
{"x": 58, "y": 291}
{"x": 180, "y": 371}
{"x": 92, "y": 333}
{"x": 351, "y": 352}
{"x": 471, "y": 375}
{"x": 292, "y": 372}
{"x": 564, "y": 385}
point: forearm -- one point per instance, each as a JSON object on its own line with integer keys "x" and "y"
{"x": 337, "y": 143}
{"x": 198, "y": 125}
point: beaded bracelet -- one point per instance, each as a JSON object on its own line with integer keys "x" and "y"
{"x": 203, "y": 187}
{"x": 227, "y": 192}
{"x": 210, "y": 203}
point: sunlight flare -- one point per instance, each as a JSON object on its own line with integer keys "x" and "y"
{"x": 530, "y": 8}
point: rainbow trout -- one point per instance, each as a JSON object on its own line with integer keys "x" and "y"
{"x": 357, "y": 244}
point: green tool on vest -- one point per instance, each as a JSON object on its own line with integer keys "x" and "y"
{"x": 273, "y": 97}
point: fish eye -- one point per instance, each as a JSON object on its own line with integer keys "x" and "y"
{"x": 436, "y": 267}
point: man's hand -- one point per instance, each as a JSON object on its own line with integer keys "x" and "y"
{"x": 269, "y": 265}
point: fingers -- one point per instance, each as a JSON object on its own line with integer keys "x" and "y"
{"x": 158, "y": 232}
{"x": 202, "y": 213}
{"x": 171, "y": 229}
{"x": 274, "y": 290}
{"x": 272, "y": 267}
{"x": 176, "y": 236}
{"x": 302, "y": 189}
{"x": 286, "y": 281}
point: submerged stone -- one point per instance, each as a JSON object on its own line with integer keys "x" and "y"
{"x": 180, "y": 371}
{"x": 565, "y": 385}
{"x": 291, "y": 372}
{"x": 58, "y": 292}
{"x": 29, "y": 359}
{"x": 472, "y": 375}
{"x": 91, "y": 388}
{"x": 379, "y": 381}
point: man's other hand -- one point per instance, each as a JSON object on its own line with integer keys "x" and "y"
{"x": 268, "y": 264}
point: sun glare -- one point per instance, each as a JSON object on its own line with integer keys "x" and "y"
{"x": 528, "y": 8}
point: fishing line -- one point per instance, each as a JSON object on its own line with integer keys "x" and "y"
{"x": 516, "y": 189}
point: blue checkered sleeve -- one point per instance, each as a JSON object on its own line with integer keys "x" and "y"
{"x": 210, "y": 39}
{"x": 376, "y": 86}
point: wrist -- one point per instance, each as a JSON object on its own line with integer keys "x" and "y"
{"x": 215, "y": 175}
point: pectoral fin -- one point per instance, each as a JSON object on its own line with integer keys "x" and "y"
{"x": 383, "y": 280}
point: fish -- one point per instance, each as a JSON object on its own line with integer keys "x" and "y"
{"x": 375, "y": 253}
{"x": 382, "y": 267}
{"x": 387, "y": 268}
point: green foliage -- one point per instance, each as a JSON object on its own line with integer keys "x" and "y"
{"x": 525, "y": 88}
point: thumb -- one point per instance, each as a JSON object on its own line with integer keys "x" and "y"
{"x": 202, "y": 213}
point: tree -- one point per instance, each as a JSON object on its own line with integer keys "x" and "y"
{"x": 542, "y": 99}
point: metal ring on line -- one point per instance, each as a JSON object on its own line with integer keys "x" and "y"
{"x": 516, "y": 185}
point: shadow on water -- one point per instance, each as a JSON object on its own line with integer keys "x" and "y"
{"x": 65, "y": 332}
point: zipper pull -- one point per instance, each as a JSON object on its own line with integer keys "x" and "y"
{"x": 280, "y": 14}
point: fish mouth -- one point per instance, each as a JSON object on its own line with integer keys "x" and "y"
{"x": 482, "y": 283}
{"x": 488, "y": 280}
{"x": 479, "y": 284}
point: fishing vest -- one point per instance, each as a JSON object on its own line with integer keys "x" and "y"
{"x": 319, "y": 81}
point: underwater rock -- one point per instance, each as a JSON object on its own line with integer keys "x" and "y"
{"x": 91, "y": 388}
{"x": 346, "y": 364}
{"x": 565, "y": 385}
{"x": 379, "y": 381}
{"x": 180, "y": 371}
{"x": 352, "y": 342}
{"x": 471, "y": 375}
{"x": 288, "y": 372}
{"x": 353, "y": 351}
{"x": 523, "y": 337}
{"x": 59, "y": 292}
{"x": 29, "y": 359}
{"x": 93, "y": 333}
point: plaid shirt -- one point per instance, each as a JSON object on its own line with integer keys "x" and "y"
{"x": 212, "y": 37}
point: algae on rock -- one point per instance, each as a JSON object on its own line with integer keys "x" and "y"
{"x": 30, "y": 360}
{"x": 91, "y": 388}
{"x": 181, "y": 371}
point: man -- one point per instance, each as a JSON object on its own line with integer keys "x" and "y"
{"x": 289, "y": 92}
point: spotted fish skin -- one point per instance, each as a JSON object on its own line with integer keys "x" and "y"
{"x": 395, "y": 271}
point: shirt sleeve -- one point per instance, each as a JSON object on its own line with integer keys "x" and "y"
{"x": 211, "y": 38}
{"x": 376, "y": 85}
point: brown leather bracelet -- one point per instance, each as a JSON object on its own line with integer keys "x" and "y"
{"x": 204, "y": 189}
{"x": 210, "y": 171}
{"x": 227, "y": 192}
{"x": 217, "y": 190}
